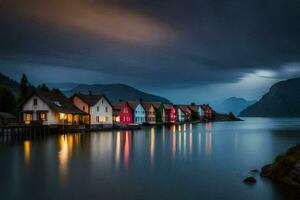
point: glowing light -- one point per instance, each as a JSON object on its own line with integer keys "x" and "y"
{"x": 63, "y": 158}
{"x": 27, "y": 152}
{"x": 61, "y": 116}
{"x": 152, "y": 144}
{"x": 208, "y": 140}
{"x": 118, "y": 148}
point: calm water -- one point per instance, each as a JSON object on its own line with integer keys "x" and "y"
{"x": 199, "y": 161}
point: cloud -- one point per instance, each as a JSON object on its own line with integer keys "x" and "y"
{"x": 96, "y": 19}
{"x": 156, "y": 43}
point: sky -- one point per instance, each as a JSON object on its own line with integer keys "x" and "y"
{"x": 193, "y": 50}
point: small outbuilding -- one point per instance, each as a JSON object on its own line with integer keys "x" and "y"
{"x": 7, "y": 118}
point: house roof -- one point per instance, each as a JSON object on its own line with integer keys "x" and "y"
{"x": 56, "y": 100}
{"x": 91, "y": 99}
{"x": 134, "y": 104}
{"x": 168, "y": 106}
{"x": 5, "y": 115}
{"x": 147, "y": 105}
{"x": 118, "y": 105}
{"x": 156, "y": 104}
{"x": 194, "y": 108}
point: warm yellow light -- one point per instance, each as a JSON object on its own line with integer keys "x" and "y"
{"x": 61, "y": 116}
{"x": 27, "y": 151}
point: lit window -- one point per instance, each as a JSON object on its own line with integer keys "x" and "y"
{"x": 43, "y": 116}
{"x": 28, "y": 118}
{"x": 106, "y": 119}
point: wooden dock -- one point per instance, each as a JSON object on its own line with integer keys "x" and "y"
{"x": 33, "y": 131}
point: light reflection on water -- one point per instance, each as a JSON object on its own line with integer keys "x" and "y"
{"x": 193, "y": 158}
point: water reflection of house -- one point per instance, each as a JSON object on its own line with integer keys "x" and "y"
{"x": 50, "y": 108}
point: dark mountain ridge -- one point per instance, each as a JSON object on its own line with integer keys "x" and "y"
{"x": 115, "y": 92}
{"x": 282, "y": 100}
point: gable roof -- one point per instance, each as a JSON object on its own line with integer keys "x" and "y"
{"x": 147, "y": 105}
{"x": 135, "y": 104}
{"x": 5, "y": 115}
{"x": 91, "y": 99}
{"x": 56, "y": 100}
{"x": 168, "y": 106}
{"x": 119, "y": 105}
{"x": 156, "y": 104}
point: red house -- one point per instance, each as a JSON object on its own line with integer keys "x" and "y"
{"x": 207, "y": 112}
{"x": 122, "y": 113}
{"x": 170, "y": 113}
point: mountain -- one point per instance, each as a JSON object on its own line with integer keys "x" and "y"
{"x": 62, "y": 86}
{"x": 283, "y": 100}
{"x": 115, "y": 92}
{"x": 9, "y": 83}
{"x": 233, "y": 104}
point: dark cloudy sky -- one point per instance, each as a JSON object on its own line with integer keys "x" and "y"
{"x": 186, "y": 50}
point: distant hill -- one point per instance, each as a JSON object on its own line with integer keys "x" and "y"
{"x": 9, "y": 83}
{"x": 116, "y": 92}
{"x": 62, "y": 86}
{"x": 233, "y": 104}
{"x": 283, "y": 100}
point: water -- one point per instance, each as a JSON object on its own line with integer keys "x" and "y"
{"x": 192, "y": 161}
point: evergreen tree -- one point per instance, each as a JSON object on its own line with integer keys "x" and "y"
{"x": 24, "y": 88}
{"x": 43, "y": 87}
{"x": 7, "y": 101}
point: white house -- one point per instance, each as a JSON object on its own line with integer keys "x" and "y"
{"x": 180, "y": 114}
{"x": 97, "y": 106}
{"x": 139, "y": 114}
{"x": 50, "y": 108}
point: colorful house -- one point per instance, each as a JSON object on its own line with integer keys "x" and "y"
{"x": 122, "y": 113}
{"x": 97, "y": 106}
{"x": 159, "y": 111}
{"x": 50, "y": 108}
{"x": 207, "y": 112}
{"x": 191, "y": 112}
{"x": 170, "y": 113}
{"x": 180, "y": 114}
{"x": 150, "y": 112}
{"x": 138, "y": 112}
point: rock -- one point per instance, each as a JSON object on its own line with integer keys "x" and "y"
{"x": 250, "y": 180}
{"x": 266, "y": 171}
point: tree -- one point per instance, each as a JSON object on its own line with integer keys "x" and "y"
{"x": 7, "y": 101}
{"x": 43, "y": 87}
{"x": 24, "y": 88}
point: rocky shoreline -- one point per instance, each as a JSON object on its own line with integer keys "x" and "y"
{"x": 286, "y": 168}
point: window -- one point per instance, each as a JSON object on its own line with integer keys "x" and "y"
{"x": 102, "y": 101}
{"x": 35, "y": 103}
{"x": 28, "y": 118}
{"x": 106, "y": 109}
{"x": 106, "y": 119}
{"x": 42, "y": 116}
{"x": 97, "y": 119}
{"x": 83, "y": 108}
{"x": 97, "y": 108}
